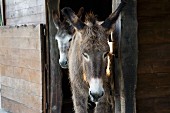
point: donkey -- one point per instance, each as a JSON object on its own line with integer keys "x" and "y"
{"x": 63, "y": 36}
{"x": 88, "y": 61}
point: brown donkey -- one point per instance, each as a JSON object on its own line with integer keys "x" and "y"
{"x": 88, "y": 59}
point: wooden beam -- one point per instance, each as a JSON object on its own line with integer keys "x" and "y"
{"x": 118, "y": 77}
{"x": 126, "y": 57}
{"x": 44, "y": 70}
{"x": 55, "y": 77}
{"x": 129, "y": 54}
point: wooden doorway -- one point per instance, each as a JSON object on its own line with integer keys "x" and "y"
{"x": 102, "y": 13}
{"x": 128, "y": 62}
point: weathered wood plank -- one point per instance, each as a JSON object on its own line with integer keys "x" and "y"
{"x": 119, "y": 94}
{"x": 154, "y": 8}
{"x": 21, "y": 65}
{"x": 26, "y": 12}
{"x": 44, "y": 63}
{"x": 153, "y": 80}
{"x": 129, "y": 54}
{"x": 55, "y": 70}
{"x": 154, "y": 30}
{"x": 153, "y": 85}
{"x": 154, "y": 57}
{"x": 154, "y": 105}
{"x": 30, "y": 19}
{"x": 154, "y": 51}
{"x": 154, "y": 66}
{"x": 11, "y": 2}
{"x": 23, "y": 4}
{"x": 16, "y": 107}
{"x": 155, "y": 92}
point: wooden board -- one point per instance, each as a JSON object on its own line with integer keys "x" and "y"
{"x": 19, "y": 12}
{"x": 153, "y": 89}
{"x": 21, "y": 68}
{"x": 129, "y": 54}
{"x": 55, "y": 83}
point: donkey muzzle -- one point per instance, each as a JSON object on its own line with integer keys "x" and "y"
{"x": 96, "y": 96}
{"x": 96, "y": 90}
{"x": 64, "y": 64}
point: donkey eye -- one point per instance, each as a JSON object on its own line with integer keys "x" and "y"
{"x": 85, "y": 55}
{"x": 70, "y": 40}
{"x": 105, "y": 54}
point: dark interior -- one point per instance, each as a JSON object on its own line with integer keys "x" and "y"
{"x": 101, "y": 8}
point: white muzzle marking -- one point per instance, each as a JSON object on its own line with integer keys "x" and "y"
{"x": 96, "y": 89}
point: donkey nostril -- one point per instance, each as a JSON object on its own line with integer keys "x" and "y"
{"x": 65, "y": 62}
{"x": 96, "y": 96}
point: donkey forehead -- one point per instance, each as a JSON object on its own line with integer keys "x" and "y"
{"x": 94, "y": 30}
{"x": 95, "y": 45}
{"x": 63, "y": 36}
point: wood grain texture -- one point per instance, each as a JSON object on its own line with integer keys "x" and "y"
{"x": 55, "y": 69}
{"x": 21, "y": 71}
{"x": 154, "y": 57}
{"x": 129, "y": 54}
{"x": 19, "y": 12}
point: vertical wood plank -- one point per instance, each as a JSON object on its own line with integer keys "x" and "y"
{"x": 44, "y": 70}
{"x": 55, "y": 70}
{"x": 23, "y": 12}
{"x": 129, "y": 54}
{"x": 153, "y": 86}
{"x": 118, "y": 77}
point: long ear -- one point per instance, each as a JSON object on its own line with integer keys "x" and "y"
{"x": 72, "y": 17}
{"x": 113, "y": 16}
{"x": 80, "y": 13}
{"x": 56, "y": 19}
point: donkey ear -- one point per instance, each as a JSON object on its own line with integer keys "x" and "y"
{"x": 80, "y": 13}
{"x": 72, "y": 17}
{"x": 56, "y": 19}
{"x": 113, "y": 16}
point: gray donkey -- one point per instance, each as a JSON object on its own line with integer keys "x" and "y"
{"x": 64, "y": 35}
{"x": 88, "y": 61}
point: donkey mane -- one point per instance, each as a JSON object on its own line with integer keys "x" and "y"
{"x": 91, "y": 18}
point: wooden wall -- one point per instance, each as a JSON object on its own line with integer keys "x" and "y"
{"x": 153, "y": 86}
{"x": 19, "y": 12}
{"x": 20, "y": 69}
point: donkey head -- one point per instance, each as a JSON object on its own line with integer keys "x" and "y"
{"x": 94, "y": 48}
{"x": 64, "y": 35}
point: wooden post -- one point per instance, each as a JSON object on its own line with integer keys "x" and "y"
{"x": 129, "y": 54}
{"x": 117, "y": 62}
{"x": 55, "y": 77}
{"x": 43, "y": 63}
{"x": 126, "y": 61}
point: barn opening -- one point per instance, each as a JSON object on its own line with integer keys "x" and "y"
{"x": 102, "y": 8}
